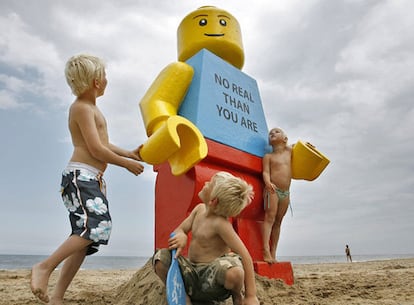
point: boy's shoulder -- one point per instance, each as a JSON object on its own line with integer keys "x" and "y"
{"x": 287, "y": 148}
{"x": 81, "y": 106}
{"x": 83, "y": 102}
{"x": 199, "y": 208}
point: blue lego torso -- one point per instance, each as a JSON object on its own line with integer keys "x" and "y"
{"x": 224, "y": 103}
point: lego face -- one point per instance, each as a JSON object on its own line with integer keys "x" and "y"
{"x": 213, "y": 29}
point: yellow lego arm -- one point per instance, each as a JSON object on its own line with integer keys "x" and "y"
{"x": 171, "y": 138}
{"x": 307, "y": 162}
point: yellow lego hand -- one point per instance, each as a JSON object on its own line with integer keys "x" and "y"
{"x": 172, "y": 138}
{"x": 307, "y": 162}
{"x": 179, "y": 141}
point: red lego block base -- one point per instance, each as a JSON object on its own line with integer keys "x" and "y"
{"x": 279, "y": 270}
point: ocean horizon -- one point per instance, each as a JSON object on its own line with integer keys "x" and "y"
{"x": 19, "y": 261}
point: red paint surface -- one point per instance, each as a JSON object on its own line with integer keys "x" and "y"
{"x": 176, "y": 196}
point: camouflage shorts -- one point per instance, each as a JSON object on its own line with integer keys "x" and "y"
{"x": 204, "y": 281}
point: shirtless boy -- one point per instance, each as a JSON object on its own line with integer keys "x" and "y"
{"x": 83, "y": 188}
{"x": 211, "y": 272}
{"x": 277, "y": 176}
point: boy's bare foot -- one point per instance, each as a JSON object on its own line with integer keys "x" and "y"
{"x": 54, "y": 301}
{"x": 38, "y": 283}
{"x": 267, "y": 257}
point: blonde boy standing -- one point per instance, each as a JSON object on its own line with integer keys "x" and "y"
{"x": 83, "y": 188}
{"x": 277, "y": 176}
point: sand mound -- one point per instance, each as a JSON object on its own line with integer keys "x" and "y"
{"x": 145, "y": 288}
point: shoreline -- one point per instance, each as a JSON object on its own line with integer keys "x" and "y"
{"x": 110, "y": 262}
{"x": 382, "y": 282}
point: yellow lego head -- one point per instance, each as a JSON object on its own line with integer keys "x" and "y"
{"x": 213, "y": 29}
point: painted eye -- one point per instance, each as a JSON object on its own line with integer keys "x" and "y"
{"x": 223, "y": 22}
{"x": 202, "y": 22}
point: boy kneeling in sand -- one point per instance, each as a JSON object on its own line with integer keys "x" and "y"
{"x": 212, "y": 273}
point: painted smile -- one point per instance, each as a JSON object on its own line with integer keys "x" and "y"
{"x": 213, "y": 34}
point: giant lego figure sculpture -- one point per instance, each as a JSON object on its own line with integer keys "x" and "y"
{"x": 203, "y": 114}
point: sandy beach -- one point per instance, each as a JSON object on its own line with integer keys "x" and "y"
{"x": 388, "y": 282}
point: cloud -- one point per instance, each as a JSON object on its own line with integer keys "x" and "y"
{"x": 7, "y": 101}
{"x": 30, "y": 64}
{"x": 336, "y": 73}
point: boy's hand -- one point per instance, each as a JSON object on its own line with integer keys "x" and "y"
{"x": 178, "y": 241}
{"x": 251, "y": 301}
{"x": 135, "y": 154}
{"x": 134, "y": 167}
{"x": 271, "y": 188}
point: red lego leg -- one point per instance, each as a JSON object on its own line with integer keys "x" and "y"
{"x": 279, "y": 270}
{"x": 250, "y": 233}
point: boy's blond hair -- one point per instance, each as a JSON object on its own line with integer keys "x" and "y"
{"x": 81, "y": 70}
{"x": 281, "y": 130}
{"x": 233, "y": 194}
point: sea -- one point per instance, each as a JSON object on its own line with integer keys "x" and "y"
{"x": 96, "y": 262}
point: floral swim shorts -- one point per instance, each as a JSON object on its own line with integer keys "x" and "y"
{"x": 83, "y": 194}
{"x": 204, "y": 282}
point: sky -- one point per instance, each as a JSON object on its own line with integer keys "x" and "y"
{"x": 336, "y": 73}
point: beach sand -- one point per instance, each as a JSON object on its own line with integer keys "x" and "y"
{"x": 386, "y": 282}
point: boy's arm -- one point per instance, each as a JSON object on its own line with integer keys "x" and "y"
{"x": 179, "y": 240}
{"x": 233, "y": 241}
{"x": 85, "y": 119}
{"x": 125, "y": 153}
{"x": 266, "y": 173}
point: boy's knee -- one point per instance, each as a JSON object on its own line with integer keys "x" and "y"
{"x": 160, "y": 269}
{"x": 158, "y": 266}
{"x": 161, "y": 261}
{"x": 278, "y": 221}
{"x": 270, "y": 217}
{"x": 234, "y": 278}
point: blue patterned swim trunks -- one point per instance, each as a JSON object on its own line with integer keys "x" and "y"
{"x": 83, "y": 193}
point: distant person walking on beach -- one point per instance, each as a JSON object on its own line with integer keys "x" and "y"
{"x": 348, "y": 254}
{"x": 83, "y": 189}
